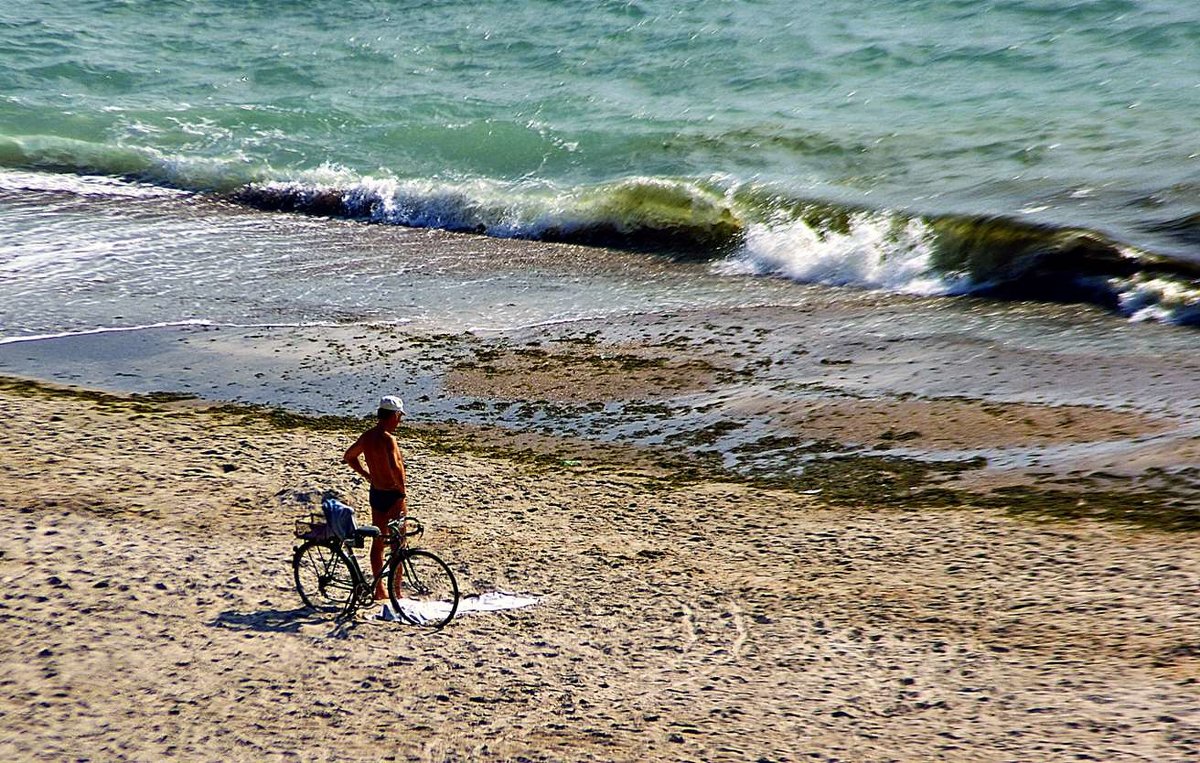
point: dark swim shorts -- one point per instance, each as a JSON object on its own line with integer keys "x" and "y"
{"x": 383, "y": 501}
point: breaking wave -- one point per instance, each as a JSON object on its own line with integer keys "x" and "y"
{"x": 748, "y": 230}
{"x": 740, "y": 228}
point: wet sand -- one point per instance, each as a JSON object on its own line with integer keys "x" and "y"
{"x": 148, "y": 611}
{"x": 1027, "y": 394}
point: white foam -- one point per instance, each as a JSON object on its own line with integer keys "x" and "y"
{"x": 102, "y": 330}
{"x": 80, "y": 185}
{"x": 878, "y": 251}
{"x": 1156, "y": 299}
{"x": 192, "y": 323}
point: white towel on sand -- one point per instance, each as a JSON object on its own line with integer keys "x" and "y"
{"x": 430, "y": 611}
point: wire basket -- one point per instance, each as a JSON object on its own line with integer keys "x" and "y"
{"x": 312, "y": 527}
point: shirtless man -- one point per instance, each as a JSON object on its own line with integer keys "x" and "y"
{"x": 385, "y": 473}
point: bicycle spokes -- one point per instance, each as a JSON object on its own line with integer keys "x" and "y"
{"x": 423, "y": 589}
{"x": 412, "y": 583}
{"x": 322, "y": 575}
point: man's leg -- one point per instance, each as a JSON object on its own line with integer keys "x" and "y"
{"x": 377, "y": 545}
{"x": 380, "y": 519}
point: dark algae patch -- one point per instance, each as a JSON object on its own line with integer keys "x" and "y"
{"x": 153, "y": 402}
{"x": 283, "y": 419}
{"x": 1151, "y": 509}
{"x": 892, "y": 481}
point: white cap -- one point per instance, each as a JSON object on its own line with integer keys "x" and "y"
{"x": 391, "y": 403}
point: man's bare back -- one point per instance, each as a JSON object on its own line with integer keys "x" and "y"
{"x": 384, "y": 464}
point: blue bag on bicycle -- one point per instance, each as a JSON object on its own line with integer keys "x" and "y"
{"x": 339, "y": 517}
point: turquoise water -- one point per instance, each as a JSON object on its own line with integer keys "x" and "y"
{"x": 1021, "y": 148}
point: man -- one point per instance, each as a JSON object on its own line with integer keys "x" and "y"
{"x": 384, "y": 471}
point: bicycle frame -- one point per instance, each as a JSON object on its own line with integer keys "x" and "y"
{"x": 363, "y": 593}
{"x": 329, "y": 575}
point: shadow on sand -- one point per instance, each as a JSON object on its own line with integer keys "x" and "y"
{"x": 269, "y": 621}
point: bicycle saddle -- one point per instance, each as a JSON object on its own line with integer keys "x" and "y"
{"x": 366, "y": 531}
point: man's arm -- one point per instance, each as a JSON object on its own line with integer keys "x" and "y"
{"x": 398, "y": 458}
{"x": 351, "y": 459}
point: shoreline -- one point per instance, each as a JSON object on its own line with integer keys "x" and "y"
{"x": 149, "y": 611}
{"x": 800, "y": 396}
{"x": 838, "y": 469}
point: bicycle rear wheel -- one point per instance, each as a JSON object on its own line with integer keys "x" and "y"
{"x": 423, "y": 589}
{"x": 322, "y": 575}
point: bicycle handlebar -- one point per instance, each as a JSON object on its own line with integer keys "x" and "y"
{"x": 415, "y": 527}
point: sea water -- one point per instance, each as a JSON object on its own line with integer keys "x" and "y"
{"x": 1012, "y": 149}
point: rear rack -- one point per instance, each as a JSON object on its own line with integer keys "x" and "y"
{"x": 312, "y": 527}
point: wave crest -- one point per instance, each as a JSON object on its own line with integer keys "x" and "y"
{"x": 679, "y": 217}
{"x": 997, "y": 258}
{"x": 147, "y": 165}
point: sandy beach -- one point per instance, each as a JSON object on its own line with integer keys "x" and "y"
{"x": 825, "y": 384}
{"x": 148, "y": 611}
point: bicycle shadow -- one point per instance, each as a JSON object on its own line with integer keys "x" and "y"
{"x": 294, "y": 620}
{"x": 268, "y": 621}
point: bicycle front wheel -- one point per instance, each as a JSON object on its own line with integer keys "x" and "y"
{"x": 423, "y": 589}
{"x": 322, "y": 575}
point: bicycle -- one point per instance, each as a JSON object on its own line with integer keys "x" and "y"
{"x": 328, "y": 576}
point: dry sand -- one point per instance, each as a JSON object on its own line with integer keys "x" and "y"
{"x": 148, "y": 613}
